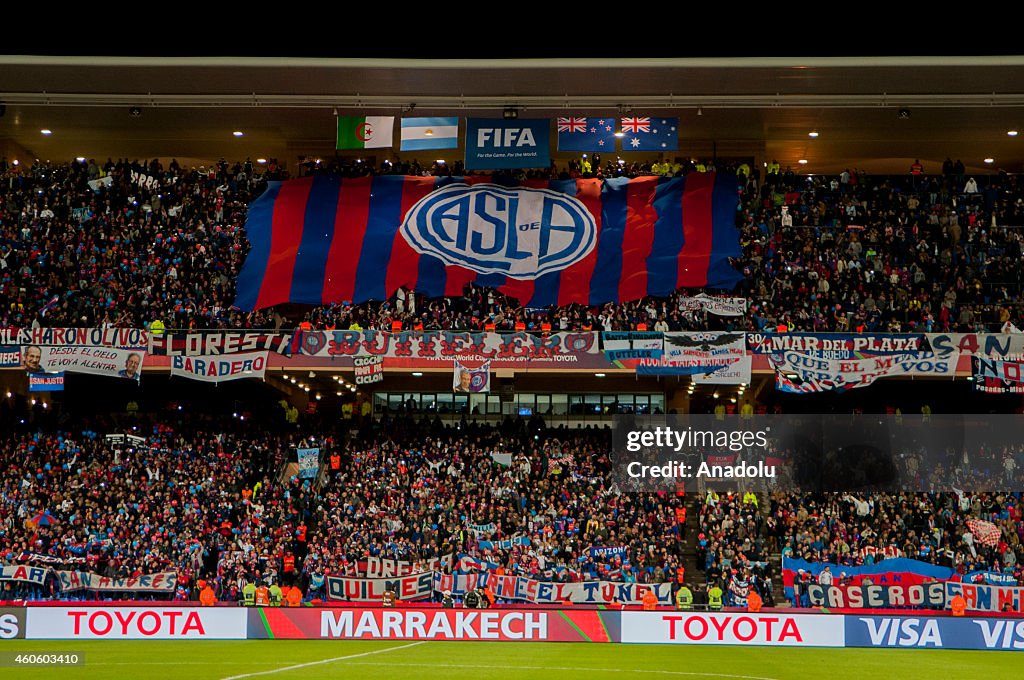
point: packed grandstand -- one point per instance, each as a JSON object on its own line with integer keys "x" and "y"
{"x": 188, "y": 508}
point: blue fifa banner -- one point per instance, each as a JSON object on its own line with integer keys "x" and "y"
{"x": 46, "y": 382}
{"x": 594, "y": 134}
{"x": 948, "y": 632}
{"x": 320, "y": 240}
{"x": 650, "y": 134}
{"x": 309, "y": 463}
{"x": 497, "y": 144}
{"x": 10, "y": 356}
{"x": 420, "y": 134}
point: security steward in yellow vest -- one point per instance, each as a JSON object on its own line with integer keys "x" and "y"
{"x": 684, "y": 598}
{"x": 249, "y": 594}
{"x": 715, "y": 598}
{"x": 275, "y": 595}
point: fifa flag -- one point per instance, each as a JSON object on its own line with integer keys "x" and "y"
{"x": 650, "y": 134}
{"x": 324, "y": 239}
{"x": 586, "y": 134}
{"x": 366, "y": 132}
{"x": 420, "y": 134}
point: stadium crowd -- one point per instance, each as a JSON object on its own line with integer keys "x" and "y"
{"x": 126, "y": 243}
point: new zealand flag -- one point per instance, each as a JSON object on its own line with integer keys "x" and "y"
{"x": 586, "y": 134}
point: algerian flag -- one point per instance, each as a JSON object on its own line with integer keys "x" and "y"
{"x": 365, "y": 132}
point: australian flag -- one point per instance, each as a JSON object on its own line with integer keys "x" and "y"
{"x": 586, "y": 134}
{"x": 650, "y": 134}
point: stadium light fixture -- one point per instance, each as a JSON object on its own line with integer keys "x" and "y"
{"x": 715, "y": 395}
{"x": 599, "y": 375}
{"x": 305, "y": 389}
{"x": 261, "y": 161}
{"x": 1012, "y": 133}
{"x": 510, "y": 113}
{"x": 337, "y": 394}
{"x": 813, "y": 134}
{"x": 990, "y": 160}
{"x": 80, "y": 159}
{"x": 237, "y": 133}
{"x": 16, "y": 162}
{"x": 318, "y": 397}
{"x": 46, "y": 131}
{"x": 802, "y": 161}
{"x": 417, "y": 374}
{"x": 8, "y": 394}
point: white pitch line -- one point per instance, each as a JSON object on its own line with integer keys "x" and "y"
{"x": 323, "y": 661}
{"x": 567, "y": 668}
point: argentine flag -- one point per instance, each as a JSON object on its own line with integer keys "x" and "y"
{"x": 419, "y": 134}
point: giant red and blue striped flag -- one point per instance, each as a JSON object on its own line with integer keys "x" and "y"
{"x": 321, "y": 239}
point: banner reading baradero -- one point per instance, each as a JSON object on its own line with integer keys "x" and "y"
{"x": 220, "y": 368}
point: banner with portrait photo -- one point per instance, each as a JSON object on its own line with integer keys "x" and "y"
{"x": 108, "y": 361}
{"x": 471, "y": 380}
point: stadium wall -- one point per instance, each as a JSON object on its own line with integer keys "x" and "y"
{"x": 512, "y": 625}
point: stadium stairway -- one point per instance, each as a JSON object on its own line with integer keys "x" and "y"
{"x": 690, "y": 530}
{"x": 764, "y": 503}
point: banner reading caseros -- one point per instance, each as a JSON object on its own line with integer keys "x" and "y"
{"x": 523, "y": 589}
{"x": 421, "y": 348}
{"x": 619, "y": 346}
{"x": 900, "y": 570}
{"x": 319, "y": 240}
{"x": 17, "y": 572}
{"x": 369, "y": 370}
{"x": 108, "y": 361}
{"x": 204, "y": 343}
{"x": 164, "y": 582}
{"x": 309, "y": 462}
{"x": 920, "y": 596}
{"x": 219, "y": 368}
{"x": 986, "y": 598}
{"x": 408, "y": 588}
{"x": 474, "y": 380}
{"x": 46, "y": 382}
{"x": 691, "y": 353}
{"x": 997, "y": 376}
{"x": 498, "y": 144}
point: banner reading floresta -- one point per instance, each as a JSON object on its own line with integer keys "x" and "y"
{"x": 212, "y": 368}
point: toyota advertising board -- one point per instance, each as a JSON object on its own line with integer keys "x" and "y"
{"x": 136, "y": 623}
{"x": 699, "y": 628}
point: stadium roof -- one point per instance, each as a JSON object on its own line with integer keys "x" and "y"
{"x": 961, "y": 107}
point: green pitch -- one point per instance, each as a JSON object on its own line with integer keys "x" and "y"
{"x": 394, "y": 660}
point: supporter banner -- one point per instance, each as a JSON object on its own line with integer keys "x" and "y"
{"x": 478, "y": 529}
{"x": 46, "y": 382}
{"x": 949, "y": 632}
{"x": 620, "y": 346}
{"x": 475, "y": 380}
{"x": 524, "y": 589}
{"x": 503, "y": 459}
{"x": 48, "y": 559}
{"x": 901, "y": 570}
{"x": 763, "y": 629}
{"x": 834, "y": 345}
{"x": 619, "y": 551}
{"x": 321, "y": 239}
{"x": 10, "y": 356}
{"x": 135, "y": 623}
{"x": 108, "y": 361}
{"x": 164, "y": 582}
{"x": 432, "y": 624}
{"x": 720, "y": 306}
{"x": 382, "y": 567}
{"x": 17, "y": 572}
{"x": 497, "y": 143}
{"x": 204, "y": 343}
{"x": 408, "y": 588}
{"x": 802, "y": 372}
{"x": 985, "y": 598}
{"x": 95, "y": 184}
{"x": 432, "y": 347}
{"x": 127, "y": 338}
{"x": 691, "y": 353}
{"x": 506, "y": 544}
{"x": 991, "y": 345}
{"x": 991, "y": 578}
{"x": 12, "y": 623}
{"x": 309, "y": 462}
{"x": 922, "y": 596}
{"x": 220, "y": 368}
{"x": 737, "y": 373}
{"x": 984, "y": 532}
{"x": 996, "y": 376}
{"x": 148, "y": 181}
{"x": 369, "y": 370}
